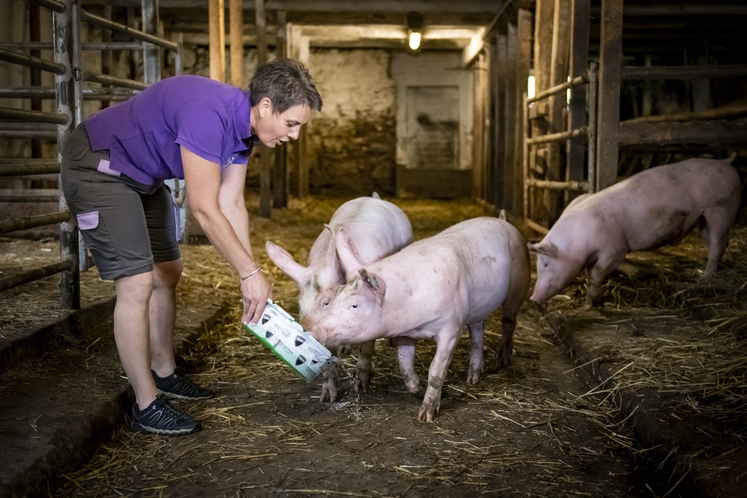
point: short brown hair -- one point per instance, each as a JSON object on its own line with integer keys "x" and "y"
{"x": 287, "y": 83}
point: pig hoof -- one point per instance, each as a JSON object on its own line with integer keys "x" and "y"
{"x": 473, "y": 376}
{"x": 328, "y": 393}
{"x": 362, "y": 382}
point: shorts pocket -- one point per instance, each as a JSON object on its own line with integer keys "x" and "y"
{"x": 88, "y": 221}
{"x": 75, "y": 147}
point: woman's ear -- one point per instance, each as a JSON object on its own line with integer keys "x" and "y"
{"x": 265, "y": 107}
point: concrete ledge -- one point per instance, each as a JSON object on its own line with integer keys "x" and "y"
{"x": 676, "y": 445}
{"x": 37, "y": 341}
{"x": 52, "y": 427}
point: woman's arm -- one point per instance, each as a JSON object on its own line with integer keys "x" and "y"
{"x": 217, "y": 203}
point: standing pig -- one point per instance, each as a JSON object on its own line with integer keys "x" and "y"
{"x": 431, "y": 290}
{"x": 376, "y": 229}
{"x": 657, "y": 207}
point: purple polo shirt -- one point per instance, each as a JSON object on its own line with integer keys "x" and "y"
{"x": 144, "y": 134}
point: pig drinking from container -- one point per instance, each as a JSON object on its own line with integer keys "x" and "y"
{"x": 431, "y": 290}
{"x": 376, "y": 229}
{"x": 657, "y": 207}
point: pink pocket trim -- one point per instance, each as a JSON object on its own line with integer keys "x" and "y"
{"x": 88, "y": 221}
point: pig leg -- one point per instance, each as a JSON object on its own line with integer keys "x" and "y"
{"x": 406, "y": 358}
{"x": 517, "y": 293}
{"x": 476, "y": 334}
{"x": 363, "y": 369}
{"x": 330, "y": 381}
{"x": 715, "y": 231}
{"x": 436, "y": 375}
{"x": 595, "y": 278}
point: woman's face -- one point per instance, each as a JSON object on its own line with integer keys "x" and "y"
{"x": 274, "y": 129}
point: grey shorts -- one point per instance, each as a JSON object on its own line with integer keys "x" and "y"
{"x": 127, "y": 225}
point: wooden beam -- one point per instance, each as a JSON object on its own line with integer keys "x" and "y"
{"x": 509, "y": 71}
{"x": 579, "y": 64}
{"x": 236, "y": 16}
{"x": 713, "y": 134}
{"x": 683, "y": 72}
{"x": 217, "y": 31}
{"x": 608, "y": 115}
{"x": 280, "y": 187}
{"x": 265, "y": 154}
{"x": 499, "y": 164}
{"x": 524, "y": 35}
{"x": 558, "y": 75}
{"x": 544, "y": 12}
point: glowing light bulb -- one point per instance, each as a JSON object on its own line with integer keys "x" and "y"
{"x": 414, "y": 40}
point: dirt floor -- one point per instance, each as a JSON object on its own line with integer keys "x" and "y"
{"x": 542, "y": 427}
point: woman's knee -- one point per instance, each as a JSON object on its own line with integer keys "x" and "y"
{"x": 168, "y": 273}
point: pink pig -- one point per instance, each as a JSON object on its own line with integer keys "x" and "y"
{"x": 653, "y": 208}
{"x": 431, "y": 290}
{"x": 376, "y": 228}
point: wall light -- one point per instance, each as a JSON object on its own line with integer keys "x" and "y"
{"x": 414, "y": 40}
{"x": 414, "y": 30}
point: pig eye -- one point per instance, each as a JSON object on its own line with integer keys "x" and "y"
{"x": 354, "y": 306}
{"x": 325, "y": 302}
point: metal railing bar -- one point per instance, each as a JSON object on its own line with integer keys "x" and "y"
{"x": 552, "y": 185}
{"x": 26, "y": 160}
{"x": 114, "y": 26}
{"x": 50, "y": 93}
{"x": 20, "y": 169}
{"x": 30, "y": 195}
{"x": 536, "y": 226}
{"x": 35, "y": 274}
{"x": 49, "y": 136}
{"x": 27, "y": 45}
{"x": 112, "y": 46}
{"x": 51, "y": 5}
{"x": 33, "y": 116}
{"x": 577, "y": 81}
{"x": 50, "y": 177}
{"x": 558, "y": 137}
{"x": 105, "y": 79}
{"x": 29, "y": 61}
{"x": 41, "y": 220}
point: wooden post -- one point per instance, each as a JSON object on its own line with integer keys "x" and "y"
{"x": 280, "y": 190}
{"x": 300, "y": 45}
{"x": 500, "y": 119}
{"x": 490, "y": 173}
{"x": 217, "y": 18}
{"x": 512, "y": 50}
{"x": 544, "y": 10}
{"x": 151, "y": 53}
{"x": 524, "y": 36}
{"x": 576, "y": 148}
{"x": 107, "y": 57}
{"x": 558, "y": 75}
{"x": 478, "y": 120}
{"x": 608, "y": 114}
{"x": 265, "y": 155}
{"x": 236, "y": 16}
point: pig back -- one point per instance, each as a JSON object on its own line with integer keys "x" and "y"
{"x": 480, "y": 252}
{"x": 661, "y": 205}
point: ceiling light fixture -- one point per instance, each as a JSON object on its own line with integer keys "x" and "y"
{"x": 414, "y": 30}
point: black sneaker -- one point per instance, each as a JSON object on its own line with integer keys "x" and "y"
{"x": 179, "y": 386}
{"x": 162, "y": 418}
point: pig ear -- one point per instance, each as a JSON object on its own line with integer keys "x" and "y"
{"x": 331, "y": 264}
{"x": 285, "y": 262}
{"x": 544, "y": 248}
{"x": 374, "y": 283}
{"x": 347, "y": 253}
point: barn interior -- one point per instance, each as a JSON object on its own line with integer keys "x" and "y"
{"x": 513, "y": 105}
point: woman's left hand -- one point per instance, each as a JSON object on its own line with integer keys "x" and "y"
{"x": 255, "y": 291}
